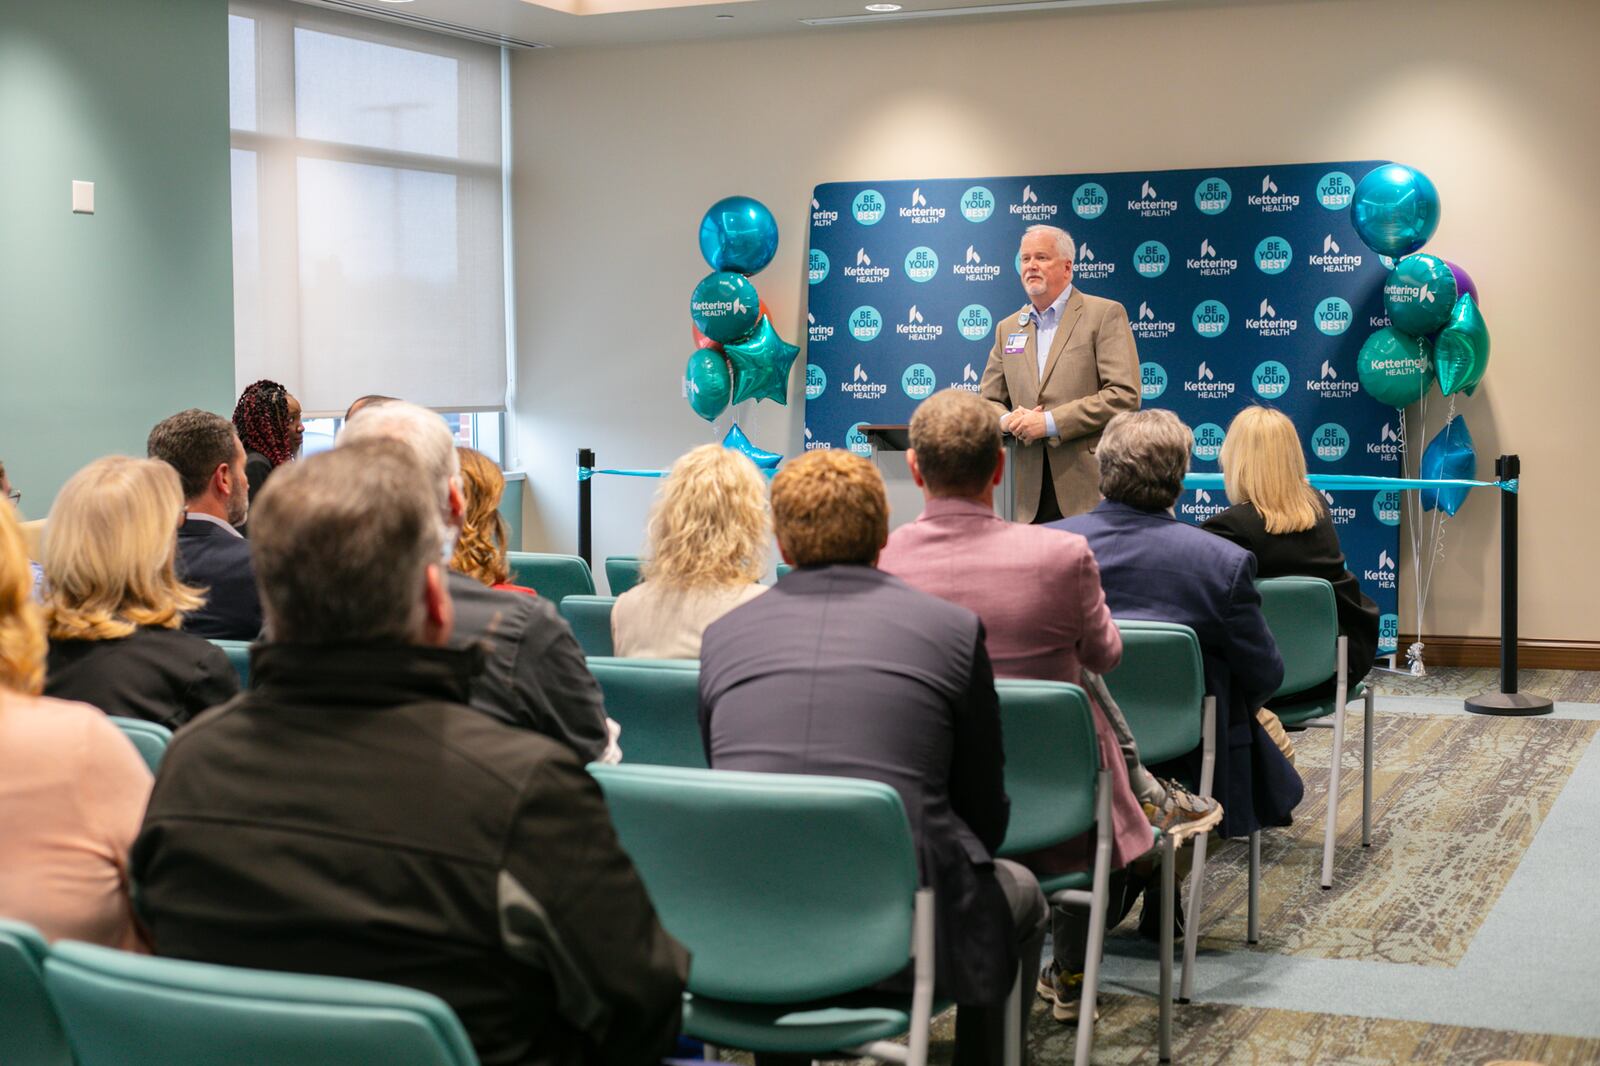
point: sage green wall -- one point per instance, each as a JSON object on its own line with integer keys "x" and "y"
{"x": 110, "y": 321}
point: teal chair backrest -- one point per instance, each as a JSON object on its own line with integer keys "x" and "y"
{"x": 783, "y": 887}
{"x": 30, "y": 1031}
{"x": 1052, "y": 760}
{"x": 1304, "y": 618}
{"x": 555, "y": 577}
{"x": 1160, "y": 685}
{"x": 622, "y": 573}
{"x": 657, "y": 702}
{"x": 239, "y": 657}
{"x": 784, "y": 568}
{"x": 590, "y": 619}
{"x": 150, "y": 738}
{"x": 122, "y": 1009}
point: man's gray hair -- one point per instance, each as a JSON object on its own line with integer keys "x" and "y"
{"x": 1065, "y": 246}
{"x": 422, "y": 431}
{"x": 1143, "y": 457}
{"x": 341, "y": 542}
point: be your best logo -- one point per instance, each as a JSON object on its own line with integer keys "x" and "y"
{"x": 1210, "y": 319}
{"x": 977, "y": 204}
{"x": 1152, "y": 380}
{"x": 868, "y": 207}
{"x": 1213, "y": 196}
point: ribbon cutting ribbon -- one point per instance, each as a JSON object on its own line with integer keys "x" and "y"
{"x": 1356, "y": 481}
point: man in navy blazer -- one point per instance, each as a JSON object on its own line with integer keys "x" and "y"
{"x": 205, "y": 451}
{"x": 1156, "y": 568}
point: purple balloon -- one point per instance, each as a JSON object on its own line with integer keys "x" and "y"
{"x": 1465, "y": 286}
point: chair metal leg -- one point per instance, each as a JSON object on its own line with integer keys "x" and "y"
{"x": 1098, "y": 902}
{"x": 1169, "y": 893}
{"x": 1191, "y": 924}
{"x": 1335, "y": 763}
{"x": 1252, "y": 934}
{"x": 1366, "y": 770}
{"x": 1013, "y": 1028}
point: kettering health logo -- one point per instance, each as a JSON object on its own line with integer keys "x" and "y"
{"x": 1208, "y": 437}
{"x": 816, "y": 332}
{"x": 1342, "y": 515}
{"x": 821, "y": 219}
{"x": 1213, "y": 196}
{"x": 1148, "y": 326}
{"x": 1388, "y": 446}
{"x": 1269, "y": 199}
{"x": 1268, "y": 323}
{"x": 865, "y": 322}
{"x": 1328, "y": 385}
{"x": 1090, "y": 267}
{"x": 974, "y": 322}
{"x": 919, "y": 212}
{"x": 1089, "y": 200}
{"x": 1152, "y": 380}
{"x": 921, "y": 264}
{"x": 1384, "y": 575}
{"x": 1209, "y": 263}
{"x": 969, "y": 380}
{"x": 817, "y": 266}
{"x": 918, "y": 381}
{"x": 864, "y": 272}
{"x": 868, "y": 207}
{"x": 1329, "y": 442}
{"x": 1335, "y": 190}
{"x": 1210, "y": 319}
{"x": 1386, "y": 507}
{"x": 814, "y": 445}
{"x": 1273, "y": 255}
{"x": 816, "y": 381}
{"x": 1270, "y": 379}
{"x": 1205, "y": 385}
{"x": 974, "y": 268}
{"x": 1151, "y": 259}
{"x": 1150, "y": 203}
{"x": 862, "y": 387}
{"x": 915, "y": 329}
{"x": 1334, "y": 260}
{"x": 977, "y": 204}
{"x": 1030, "y": 209}
{"x": 1333, "y": 316}
{"x": 1204, "y": 506}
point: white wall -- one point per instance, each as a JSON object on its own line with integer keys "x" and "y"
{"x": 619, "y": 152}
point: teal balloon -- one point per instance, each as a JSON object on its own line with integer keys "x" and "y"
{"x": 764, "y": 460}
{"x": 725, "y": 306}
{"x": 1449, "y": 455}
{"x": 1395, "y": 210}
{"x": 1395, "y": 367}
{"x": 761, "y": 365}
{"x": 1420, "y": 293}
{"x": 707, "y": 383}
{"x": 740, "y": 234}
{"x": 1461, "y": 350}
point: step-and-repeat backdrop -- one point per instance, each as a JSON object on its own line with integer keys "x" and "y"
{"x": 1242, "y": 284}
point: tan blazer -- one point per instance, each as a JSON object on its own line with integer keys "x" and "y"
{"x": 1091, "y": 374}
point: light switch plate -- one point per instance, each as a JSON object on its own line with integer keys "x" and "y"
{"x": 83, "y": 197}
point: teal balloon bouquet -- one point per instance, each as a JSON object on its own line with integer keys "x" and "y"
{"x": 1420, "y": 293}
{"x": 1461, "y": 350}
{"x": 725, "y": 306}
{"x": 707, "y": 384}
{"x": 1395, "y": 209}
{"x": 1449, "y": 456}
{"x": 761, "y": 364}
{"x": 738, "y": 233}
{"x": 1395, "y": 367}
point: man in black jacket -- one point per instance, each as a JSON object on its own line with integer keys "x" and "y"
{"x": 348, "y": 816}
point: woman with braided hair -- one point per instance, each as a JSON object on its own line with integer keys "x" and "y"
{"x": 267, "y": 417}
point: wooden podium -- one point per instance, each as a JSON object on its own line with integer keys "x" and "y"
{"x": 905, "y": 499}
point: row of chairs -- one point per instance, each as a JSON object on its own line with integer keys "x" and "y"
{"x": 555, "y": 577}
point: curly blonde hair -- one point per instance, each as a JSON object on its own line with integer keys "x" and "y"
{"x": 710, "y": 523}
{"x": 481, "y": 548}
{"x": 108, "y": 551}
{"x": 22, "y": 643}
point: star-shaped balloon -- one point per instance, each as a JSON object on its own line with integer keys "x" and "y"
{"x": 764, "y": 460}
{"x": 761, "y": 363}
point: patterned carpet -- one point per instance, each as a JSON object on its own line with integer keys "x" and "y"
{"x": 1571, "y": 686}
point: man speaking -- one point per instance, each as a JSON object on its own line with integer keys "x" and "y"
{"x": 1059, "y": 370}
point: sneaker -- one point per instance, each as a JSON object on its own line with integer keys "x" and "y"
{"x": 1064, "y": 993}
{"x": 1183, "y": 814}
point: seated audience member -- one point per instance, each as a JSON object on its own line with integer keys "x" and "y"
{"x": 708, "y": 540}
{"x": 349, "y": 816}
{"x": 13, "y": 497}
{"x": 843, "y": 669}
{"x": 481, "y": 548}
{"x": 534, "y": 674}
{"x": 72, "y": 788}
{"x": 1156, "y": 568}
{"x": 1284, "y": 522}
{"x": 268, "y": 420}
{"x": 369, "y": 400}
{"x": 205, "y": 451}
{"x": 115, "y": 604}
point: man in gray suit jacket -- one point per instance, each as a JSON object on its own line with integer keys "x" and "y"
{"x": 842, "y": 669}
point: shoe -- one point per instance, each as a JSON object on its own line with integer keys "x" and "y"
{"x": 1183, "y": 814}
{"x": 1064, "y": 993}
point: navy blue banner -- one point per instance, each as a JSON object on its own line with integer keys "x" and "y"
{"x": 1242, "y": 285}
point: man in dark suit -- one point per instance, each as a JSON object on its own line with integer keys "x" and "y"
{"x": 843, "y": 669}
{"x": 205, "y": 451}
{"x": 1155, "y": 568}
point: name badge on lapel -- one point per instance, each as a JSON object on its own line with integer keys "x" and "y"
{"x": 1016, "y": 343}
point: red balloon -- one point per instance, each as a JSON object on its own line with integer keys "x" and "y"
{"x": 703, "y": 341}
{"x": 764, "y": 312}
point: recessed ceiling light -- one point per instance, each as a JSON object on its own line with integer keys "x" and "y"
{"x": 883, "y": 9}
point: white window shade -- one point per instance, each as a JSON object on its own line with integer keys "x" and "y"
{"x": 367, "y": 209}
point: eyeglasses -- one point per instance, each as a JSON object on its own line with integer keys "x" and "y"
{"x": 15, "y": 496}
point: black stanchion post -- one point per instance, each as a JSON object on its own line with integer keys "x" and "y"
{"x": 585, "y": 506}
{"x": 1508, "y": 700}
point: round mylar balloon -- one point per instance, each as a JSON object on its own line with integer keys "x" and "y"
{"x": 1461, "y": 350}
{"x": 1395, "y": 210}
{"x": 738, "y": 233}
{"x": 1395, "y": 368}
{"x": 707, "y": 384}
{"x": 761, "y": 365}
{"x": 1449, "y": 455}
{"x": 1465, "y": 286}
{"x": 725, "y": 306}
{"x": 1420, "y": 293}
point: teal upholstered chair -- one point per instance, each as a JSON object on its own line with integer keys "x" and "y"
{"x": 790, "y": 891}
{"x": 30, "y": 1031}
{"x": 783, "y": 568}
{"x": 238, "y": 652}
{"x": 122, "y": 1009}
{"x": 150, "y": 738}
{"x": 1304, "y": 618}
{"x": 622, "y": 573}
{"x": 657, "y": 703}
{"x": 1058, "y": 791}
{"x": 555, "y": 577}
{"x": 590, "y": 619}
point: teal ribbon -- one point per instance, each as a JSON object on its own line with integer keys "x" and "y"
{"x": 586, "y": 472}
{"x": 1359, "y": 482}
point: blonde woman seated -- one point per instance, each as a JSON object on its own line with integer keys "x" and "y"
{"x": 481, "y": 548}
{"x": 72, "y": 788}
{"x": 1279, "y": 518}
{"x": 708, "y": 533}
{"x": 114, "y": 603}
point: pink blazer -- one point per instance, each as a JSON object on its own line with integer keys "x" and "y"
{"x": 1044, "y": 615}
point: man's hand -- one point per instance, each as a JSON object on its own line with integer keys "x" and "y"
{"x": 1026, "y": 425}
